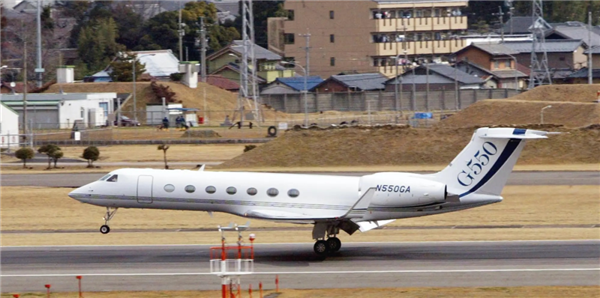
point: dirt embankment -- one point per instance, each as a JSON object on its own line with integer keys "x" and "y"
{"x": 571, "y": 106}
{"x": 405, "y": 146}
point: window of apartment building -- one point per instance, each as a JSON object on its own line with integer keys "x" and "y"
{"x": 437, "y": 12}
{"x": 289, "y": 38}
{"x": 331, "y": 14}
{"x": 290, "y": 14}
{"x": 332, "y": 38}
{"x": 332, "y": 61}
{"x": 418, "y": 13}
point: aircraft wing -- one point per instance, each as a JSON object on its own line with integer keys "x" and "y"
{"x": 286, "y": 215}
{"x": 356, "y": 211}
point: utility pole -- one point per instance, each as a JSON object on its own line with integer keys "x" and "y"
{"x": 39, "y": 71}
{"x": 307, "y": 50}
{"x": 590, "y": 73}
{"x": 181, "y": 32}
{"x": 25, "y": 89}
{"x": 203, "y": 50}
{"x": 500, "y": 14}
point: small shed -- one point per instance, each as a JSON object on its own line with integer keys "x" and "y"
{"x": 9, "y": 127}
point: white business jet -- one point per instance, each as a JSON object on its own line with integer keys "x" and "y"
{"x": 331, "y": 203}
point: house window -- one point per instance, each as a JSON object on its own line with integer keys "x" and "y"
{"x": 331, "y": 14}
{"x": 507, "y": 64}
{"x": 496, "y": 64}
{"x": 332, "y": 38}
{"x": 290, "y": 14}
{"x": 332, "y": 61}
{"x": 561, "y": 58}
{"x": 289, "y": 38}
{"x": 104, "y": 106}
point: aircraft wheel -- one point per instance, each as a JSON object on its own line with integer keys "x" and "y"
{"x": 104, "y": 229}
{"x": 334, "y": 244}
{"x": 321, "y": 248}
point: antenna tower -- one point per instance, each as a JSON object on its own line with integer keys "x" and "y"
{"x": 540, "y": 74}
{"x": 248, "y": 84}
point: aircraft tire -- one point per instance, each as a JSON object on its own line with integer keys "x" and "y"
{"x": 334, "y": 244}
{"x": 321, "y": 248}
{"x": 104, "y": 229}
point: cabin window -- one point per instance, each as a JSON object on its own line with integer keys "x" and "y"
{"x": 169, "y": 188}
{"x": 113, "y": 178}
{"x": 210, "y": 189}
{"x": 293, "y": 193}
{"x": 231, "y": 190}
{"x": 272, "y": 192}
{"x": 104, "y": 177}
{"x": 252, "y": 191}
{"x": 190, "y": 189}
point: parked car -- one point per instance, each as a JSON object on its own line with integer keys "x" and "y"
{"x": 126, "y": 121}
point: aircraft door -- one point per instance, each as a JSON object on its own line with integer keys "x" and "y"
{"x": 144, "y": 189}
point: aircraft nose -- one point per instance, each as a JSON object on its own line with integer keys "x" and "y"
{"x": 81, "y": 194}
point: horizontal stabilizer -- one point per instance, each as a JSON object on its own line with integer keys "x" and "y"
{"x": 516, "y": 133}
{"x": 369, "y": 225}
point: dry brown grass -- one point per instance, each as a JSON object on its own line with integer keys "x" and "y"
{"x": 474, "y": 292}
{"x": 572, "y": 93}
{"x": 510, "y": 112}
{"x": 388, "y": 146}
{"x": 50, "y": 209}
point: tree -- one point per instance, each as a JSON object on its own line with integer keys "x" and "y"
{"x": 24, "y": 154}
{"x": 91, "y": 154}
{"x": 51, "y": 151}
{"x": 122, "y": 68}
{"x": 164, "y": 148}
{"x": 56, "y": 155}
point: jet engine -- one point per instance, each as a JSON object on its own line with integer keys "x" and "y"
{"x": 403, "y": 190}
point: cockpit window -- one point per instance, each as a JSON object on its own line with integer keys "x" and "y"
{"x": 113, "y": 178}
{"x": 105, "y": 177}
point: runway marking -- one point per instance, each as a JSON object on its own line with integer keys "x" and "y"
{"x": 316, "y": 272}
{"x": 296, "y": 243}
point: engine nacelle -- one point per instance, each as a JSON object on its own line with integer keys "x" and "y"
{"x": 403, "y": 190}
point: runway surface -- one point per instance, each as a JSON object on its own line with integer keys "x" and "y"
{"x": 357, "y": 265}
{"x": 516, "y": 178}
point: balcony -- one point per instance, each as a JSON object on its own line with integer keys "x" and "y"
{"x": 423, "y": 47}
{"x": 422, "y": 24}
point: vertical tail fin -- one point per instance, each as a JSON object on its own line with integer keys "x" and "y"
{"x": 484, "y": 165}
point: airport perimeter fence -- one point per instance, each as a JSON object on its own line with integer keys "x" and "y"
{"x": 211, "y": 132}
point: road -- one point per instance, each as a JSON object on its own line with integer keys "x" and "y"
{"x": 516, "y": 178}
{"x": 357, "y": 265}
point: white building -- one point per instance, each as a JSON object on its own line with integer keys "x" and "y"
{"x": 9, "y": 127}
{"x": 56, "y": 110}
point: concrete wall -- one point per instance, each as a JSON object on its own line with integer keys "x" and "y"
{"x": 383, "y": 101}
{"x": 9, "y": 127}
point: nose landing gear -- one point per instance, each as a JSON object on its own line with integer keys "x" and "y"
{"x": 110, "y": 212}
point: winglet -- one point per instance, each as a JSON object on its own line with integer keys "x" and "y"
{"x": 360, "y": 207}
{"x": 201, "y": 168}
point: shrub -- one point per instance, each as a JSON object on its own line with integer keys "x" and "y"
{"x": 24, "y": 154}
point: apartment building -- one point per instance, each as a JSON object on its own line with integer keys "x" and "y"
{"x": 371, "y": 35}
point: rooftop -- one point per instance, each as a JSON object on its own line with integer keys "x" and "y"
{"x": 551, "y": 46}
{"x": 363, "y": 81}
{"x": 297, "y": 83}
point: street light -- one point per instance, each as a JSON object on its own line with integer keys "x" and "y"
{"x": 305, "y": 91}
{"x": 542, "y": 113}
{"x": 134, "y": 95}
{"x": 397, "y": 82}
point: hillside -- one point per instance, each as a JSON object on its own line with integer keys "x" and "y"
{"x": 219, "y": 102}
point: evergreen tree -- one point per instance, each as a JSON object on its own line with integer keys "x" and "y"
{"x": 122, "y": 68}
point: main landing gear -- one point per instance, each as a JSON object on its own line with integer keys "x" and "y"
{"x": 323, "y": 247}
{"x": 110, "y": 212}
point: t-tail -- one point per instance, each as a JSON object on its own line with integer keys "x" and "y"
{"x": 484, "y": 165}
